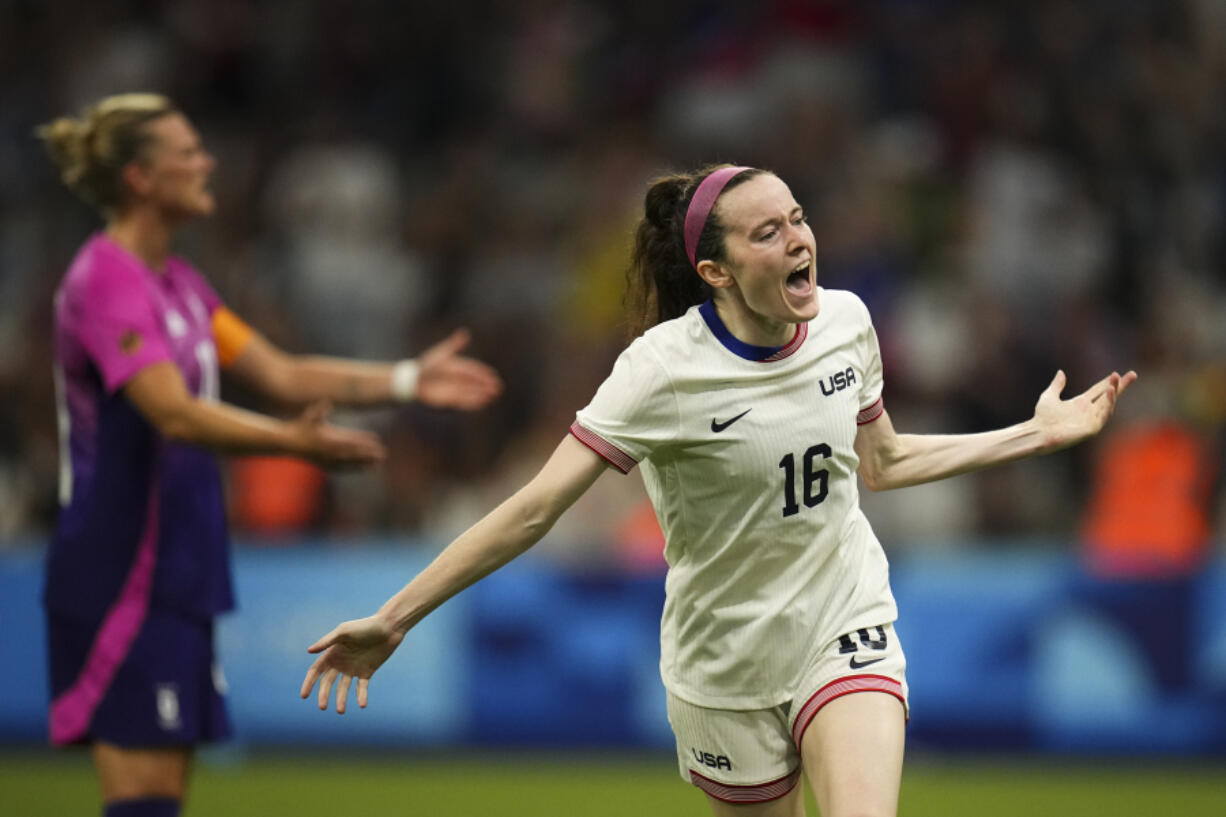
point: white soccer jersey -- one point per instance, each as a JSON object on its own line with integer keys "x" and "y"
{"x": 748, "y": 457}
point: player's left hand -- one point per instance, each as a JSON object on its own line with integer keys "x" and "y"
{"x": 1065, "y": 422}
{"x": 447, "y": 380}
{"x": 355, "y": 649}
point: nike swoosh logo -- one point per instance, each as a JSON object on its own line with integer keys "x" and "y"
{"x": 858, "y": 664}
{"x": 717, "y": 427}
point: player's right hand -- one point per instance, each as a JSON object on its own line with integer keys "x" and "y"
{"x": 332, "y": 446}
{"x": 1066, "y": 422}
{"x": 355, "y": 649}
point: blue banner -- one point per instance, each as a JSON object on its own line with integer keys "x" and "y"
{"x": 1012, "y": 649}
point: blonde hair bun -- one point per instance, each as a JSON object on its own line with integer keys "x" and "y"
{"x": 90, "y": 150}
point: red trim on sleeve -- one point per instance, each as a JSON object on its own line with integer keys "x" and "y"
{"x": 608, "y": 452}
{"x": 870, "y": 413}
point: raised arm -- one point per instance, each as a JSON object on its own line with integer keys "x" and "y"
{"x": 439, "y": 377}
{"x": 355, "y": 649}
{"x": 892, "y": 460}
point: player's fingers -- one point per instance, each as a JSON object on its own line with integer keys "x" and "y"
{"x": 1108, "y": 384}
{"x": 1057, "y": 383}
{"x": 325, "y": 642}
{"x": 309, "y": 681}
{"x": 478, "y": 391}
{"x": 472, "y": 400}
{"x": 325, "y": 688}
{"x": 450, "y": 345}
{"x": 1104, "y": 388}
{"x": 342, "y": 693}
{"x": 478, "y": 385}
{"x": 363, "y": 685}
{"x": 477, "y": 373}
{"x": 1106, "y": 405}
{"x": 362, "y": 448}
{"x": 1127, "y": 380}
{"x": 315, "y": 413}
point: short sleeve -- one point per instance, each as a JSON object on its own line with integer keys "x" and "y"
{"x": 633, "y": 412}
{"x": 871, "y": 402}
{"x": 116, "y": 321}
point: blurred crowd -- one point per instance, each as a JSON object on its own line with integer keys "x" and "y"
{"x": 1013, "y": 188}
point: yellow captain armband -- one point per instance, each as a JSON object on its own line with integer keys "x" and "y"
{"x": 230, "y": 334}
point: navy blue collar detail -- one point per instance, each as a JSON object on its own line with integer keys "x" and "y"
{"x": 759, "y": 354}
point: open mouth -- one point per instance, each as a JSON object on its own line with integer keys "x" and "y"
{"x": 799, "y": 281}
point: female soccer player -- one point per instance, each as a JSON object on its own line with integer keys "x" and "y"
{"x": 139, "y": 564}
{"x": 752, "y": 404}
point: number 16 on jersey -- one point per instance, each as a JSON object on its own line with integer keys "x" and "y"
{"x": 815, "y": 481}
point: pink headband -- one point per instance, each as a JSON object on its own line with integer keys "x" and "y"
{"x": 700, "y": 206}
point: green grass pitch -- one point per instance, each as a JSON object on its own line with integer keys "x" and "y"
{"x": 39, "y": 783}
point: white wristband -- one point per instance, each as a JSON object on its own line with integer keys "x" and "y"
{"x": 404, "y": 380}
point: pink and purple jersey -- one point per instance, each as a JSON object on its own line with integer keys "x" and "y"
{"x": 142, "y": 521}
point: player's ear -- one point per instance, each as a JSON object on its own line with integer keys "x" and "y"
{"x": 136, "y": 178}
{"x": 715, "y": 274}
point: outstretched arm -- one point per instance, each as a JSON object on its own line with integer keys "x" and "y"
{"x": 439, "y": 377}
{"x": 892, "y": 460}
{"x": 355, "y": 649}
{"x": 159, "y": 392}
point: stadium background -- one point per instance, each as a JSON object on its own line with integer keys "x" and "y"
{"x": 1013, "y": 188}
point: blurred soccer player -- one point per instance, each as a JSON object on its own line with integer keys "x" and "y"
{"x": 752, "y": 404}
{"x": 139, "y": 563}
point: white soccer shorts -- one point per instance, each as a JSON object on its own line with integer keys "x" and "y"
{"x": 753, "y": 756}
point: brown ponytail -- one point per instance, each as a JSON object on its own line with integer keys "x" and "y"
{"x": 660, "y": 283}
{"x": 90, "y": 151}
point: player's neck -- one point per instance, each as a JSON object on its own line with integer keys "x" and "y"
{"x": 750, "y": 327}
{"x": 143, "y": 234}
